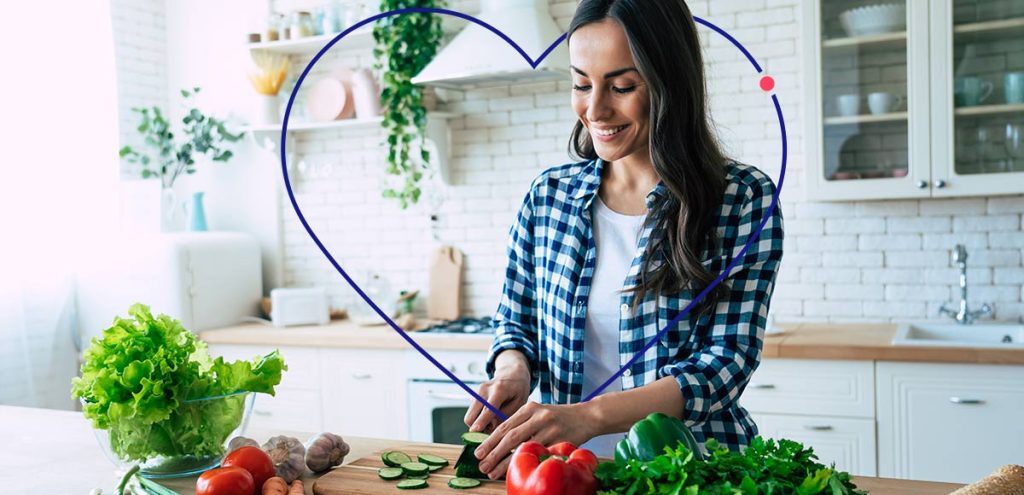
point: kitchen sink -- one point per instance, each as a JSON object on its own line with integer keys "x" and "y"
{"x": 995, "y": 335}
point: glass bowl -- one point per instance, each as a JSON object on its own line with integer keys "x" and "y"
{"x": 192, "y": 440}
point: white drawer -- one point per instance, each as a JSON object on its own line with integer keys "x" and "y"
{"x": 800, "y": 386}
{"x": 289, "y": 410}
{"x": 849, "y": 443}
{"x": 303, "y": 362}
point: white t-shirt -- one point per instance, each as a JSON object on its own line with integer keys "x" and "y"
{"x": 615, "y": 238}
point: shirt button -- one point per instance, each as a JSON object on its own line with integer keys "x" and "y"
{"x": 577, "y": 366}
{"x": 627, "y": 373}
{"x": 624, "y": 309}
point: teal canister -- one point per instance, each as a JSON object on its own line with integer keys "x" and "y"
{"x": 197, "y": 223}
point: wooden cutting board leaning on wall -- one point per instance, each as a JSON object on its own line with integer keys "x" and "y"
{"x": 443, "y": 300}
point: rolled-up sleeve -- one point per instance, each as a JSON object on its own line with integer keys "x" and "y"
{"x": 712, "y": 378}
{"x": 516, "y": 318}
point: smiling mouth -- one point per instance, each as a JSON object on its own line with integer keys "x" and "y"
{"x": 610, "y": 132}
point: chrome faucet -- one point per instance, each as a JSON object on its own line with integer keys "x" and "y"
{"x": 963, "y": 315}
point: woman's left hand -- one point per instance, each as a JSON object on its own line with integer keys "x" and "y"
{"x": 546, "y": 424}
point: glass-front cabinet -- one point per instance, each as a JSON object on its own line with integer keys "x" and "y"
{"x": 914, "y": 98}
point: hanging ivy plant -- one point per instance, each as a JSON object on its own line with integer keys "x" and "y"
{"x": 404, "y": 45}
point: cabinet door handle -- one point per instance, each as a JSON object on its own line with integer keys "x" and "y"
{"x": 818, "y": 427}
{"x": 961, "y": 400}
{"x": 261, "y": 413}
{"x": 939, "y": 183}
{"x": 921, "y": 184}
{"x": 762, "y": 386}
{"x": 361, "y": 376}
{"x": 450, "y": 397}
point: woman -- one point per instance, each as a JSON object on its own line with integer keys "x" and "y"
{"x": 607, "y": 251}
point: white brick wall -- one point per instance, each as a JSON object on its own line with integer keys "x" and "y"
{"x": 856, "y": 261}
{"x": 140, "y": 46}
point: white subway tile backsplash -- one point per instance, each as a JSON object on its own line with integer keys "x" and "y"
{"x": 986, "y": 223}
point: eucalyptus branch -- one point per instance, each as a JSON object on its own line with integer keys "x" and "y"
{"x": 205, "y": 135}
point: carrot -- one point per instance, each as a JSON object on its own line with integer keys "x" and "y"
{"x": 297, "y": 488}
{"x": 275, "y": 486}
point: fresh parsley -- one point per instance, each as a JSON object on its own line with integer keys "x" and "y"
{"x": 765, "y": 467}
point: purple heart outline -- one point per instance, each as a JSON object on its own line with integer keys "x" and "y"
{"x": 533, "y": 63}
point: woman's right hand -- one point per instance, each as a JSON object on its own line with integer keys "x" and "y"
{"x": 508, "y": 391}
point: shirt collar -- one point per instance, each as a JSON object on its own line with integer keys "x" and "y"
{"x": 589, "y": 181}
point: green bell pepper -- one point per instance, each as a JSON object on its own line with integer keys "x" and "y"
{"x": 649, "y": 437}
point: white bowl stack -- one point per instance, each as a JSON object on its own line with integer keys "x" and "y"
{"x": 874, "y": 19}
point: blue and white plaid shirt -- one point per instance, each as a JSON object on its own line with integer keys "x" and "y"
{"x": 551, "y": 258}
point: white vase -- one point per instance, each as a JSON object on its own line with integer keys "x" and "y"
{"x": 268, "y": 110}
{"x": 366, "y": 93}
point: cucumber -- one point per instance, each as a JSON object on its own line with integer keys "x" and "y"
{"x": 390, "y": 473}
{"x": 434, "y": 469}
{"x": 474, "y": 438}
{"x": 463, "y": 483}
{"x": 419, "y": 477}
{"x": 415, "y": 468}
{"x": 468, "y": 466}
{"x": 411, "y": 484}
{"x": 395, "y": 458}
{"x": 432, "y": 460}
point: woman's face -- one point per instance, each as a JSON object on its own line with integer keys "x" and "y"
{"x": 608, "y": 93}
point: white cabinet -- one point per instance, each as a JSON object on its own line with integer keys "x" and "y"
{"x": 364, "y": 393}
{"x": 826, "y": 405}
{"x": 296, "y": 405}
{"x": 913, "y": 99}
{"x": 949, "y": 422}
{"x": 848, "y": 442}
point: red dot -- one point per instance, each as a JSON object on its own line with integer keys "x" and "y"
{"x": 767, "y": 83}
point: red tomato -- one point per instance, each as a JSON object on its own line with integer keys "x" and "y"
{"x": 225, "y": 481}
{"x": 254, "y": 460}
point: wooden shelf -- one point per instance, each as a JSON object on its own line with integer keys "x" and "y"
{"x": 884, "y": 39}
{"x": 360, "y": 39}
{"x": 989, "y": 26}
{"x": 333, "y": 124}
{"x": 989, "y": 109}
{"x": 866, "y": 119}
{"x": 356, "y": 40}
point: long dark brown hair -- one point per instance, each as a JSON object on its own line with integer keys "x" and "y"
{"x": 684, "y": 149}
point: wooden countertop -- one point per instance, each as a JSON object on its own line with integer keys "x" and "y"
{"x": 345, "y": 334}
{"x": 870, "y": 342}
{"x": 56, "y": 452}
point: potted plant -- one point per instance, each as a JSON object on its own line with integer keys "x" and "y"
{"x": 404, "y": 45}
{"x": 166, "y": 157}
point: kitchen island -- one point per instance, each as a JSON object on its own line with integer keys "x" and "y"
{"x": 56, "y": 452}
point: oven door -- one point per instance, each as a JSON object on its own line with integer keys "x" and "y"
{"x": 437, "y": 409}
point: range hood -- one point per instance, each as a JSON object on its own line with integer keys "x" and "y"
{"x": 477, "y": 57}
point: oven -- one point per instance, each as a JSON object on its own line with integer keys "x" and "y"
{"x": 437, "y": 409}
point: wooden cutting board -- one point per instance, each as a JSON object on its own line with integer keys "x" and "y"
{"x": 360, "y": 476}
{"x": 445, "y": 294}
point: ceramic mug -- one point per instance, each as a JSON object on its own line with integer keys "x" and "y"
{"x": 1013, "y": 87}
{"x": 880, "y": 103}
{"x": 971, "y": 91}
{"x": 848, "y": 105}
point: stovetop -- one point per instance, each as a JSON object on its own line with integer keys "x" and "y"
{"x": 463, "y": 326}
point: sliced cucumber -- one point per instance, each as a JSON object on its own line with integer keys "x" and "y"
{"x": 411, "y": 484}
{"x": 434, "y": 469}
{"x": 415, "y": 468}
{"x": 474, "y": 438}
{"x": 390, "y": 473}
{"x": 395, "y": 458}
{"x": 463, "y": 483}
{"x": 418, "y": 477}
{"x": 432, "y": 460}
